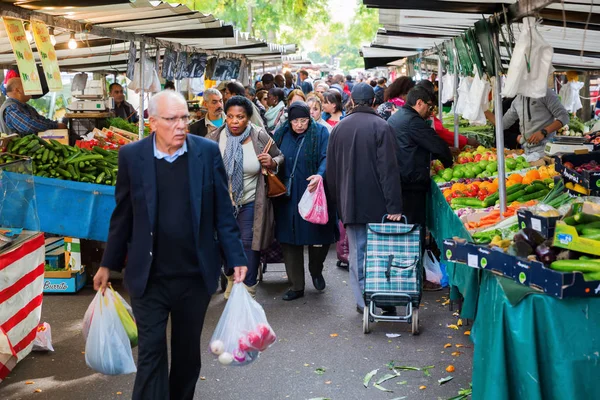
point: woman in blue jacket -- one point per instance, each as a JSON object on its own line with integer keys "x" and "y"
{"x": 304, "y": 141}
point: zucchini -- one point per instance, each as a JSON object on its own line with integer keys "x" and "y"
{"x": 64, "y": 173}
{"x": 514, "y": 196}
{"x": 575, "y": 266}
{"x": 592, "y": 236}
{"x": 583, "y": 218}
{"x": 533, "y": 196}
{"x": 591, "y": 225}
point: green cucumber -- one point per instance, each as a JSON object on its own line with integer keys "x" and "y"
{"x": 583, "y": 218}
{"x": 592, "y": 236}
{"x": 575, "y": 266}
{"x": 72, "y": 171}
{"x": 100, "y": 177}
{"x": 64, "y": 173}
{"x": 514, "y": 196}
{"x": 591, "y": 225}
{"x": 533, "y": 196}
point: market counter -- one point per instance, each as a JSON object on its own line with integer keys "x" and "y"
{"x": 443, "y": 223}
{"x": 534, "y": 346}
{"x": 66, "y": 208}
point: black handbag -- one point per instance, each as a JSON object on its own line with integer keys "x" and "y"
{"x": 288, "y": 182}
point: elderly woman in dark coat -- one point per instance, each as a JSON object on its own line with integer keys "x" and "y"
{"x": 303, "y": 143}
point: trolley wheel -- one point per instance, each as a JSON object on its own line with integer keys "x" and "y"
{"x": 338, "y": 264}
{"x": 366, "y": 318}
{"x": 223, "y": 280}
{"x": 415, "y": 321}
{"x": 261, "y": 270}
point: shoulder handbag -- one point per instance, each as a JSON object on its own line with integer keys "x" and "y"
{"x": 275, "y": 187}
{"x": 288, "y": 184}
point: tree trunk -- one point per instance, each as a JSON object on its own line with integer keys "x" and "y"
{"x": 250, "y": 18}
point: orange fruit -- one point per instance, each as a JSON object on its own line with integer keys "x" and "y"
{"x": 495, "y": 181}
{"x": 544, "y": 175}
{"x": 527, "y": 180}
{"x": 447, "y": 192}
{"x": 450, "y": 368}
{"x": 492, "y": 188}
{"x": 533, "y": 174}
{"x": 516, "y": 178}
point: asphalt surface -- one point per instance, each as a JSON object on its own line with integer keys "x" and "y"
{"x": 321, "y": 352}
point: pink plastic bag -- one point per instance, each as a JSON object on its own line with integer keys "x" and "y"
{"x": 313, "y": 206}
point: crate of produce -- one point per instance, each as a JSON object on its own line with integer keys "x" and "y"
{"x": 543, "y": 222}
{"x": 580, "y": 229}
{"x": 582, "y": 170}
{"x": 69, "y": 282}
{"x": 55, "y": 254}
{"x": 5, "y": 139}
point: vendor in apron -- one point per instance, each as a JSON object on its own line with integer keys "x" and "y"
{"x": 539, "y": 119}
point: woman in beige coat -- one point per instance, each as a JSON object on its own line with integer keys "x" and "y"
{"x": 242, "y": 145}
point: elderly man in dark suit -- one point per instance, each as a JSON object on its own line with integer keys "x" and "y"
{"x": 172, "y": 218}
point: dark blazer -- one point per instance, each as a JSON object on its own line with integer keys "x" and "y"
{"x": 132, "y": 225}
{"x": 198, "y": 128}
{"x": 362, "y": 171}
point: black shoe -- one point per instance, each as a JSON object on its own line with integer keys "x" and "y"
{"x": 319, "y": 282}
{"x": 388, "y": 311}
{"x": 293, "y": 295}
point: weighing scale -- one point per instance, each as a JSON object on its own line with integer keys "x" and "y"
{"x": 90, "y": 95}
{"x": 567, "y": 144}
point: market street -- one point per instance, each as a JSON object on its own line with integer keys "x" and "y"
{"x": 317, "y": 331}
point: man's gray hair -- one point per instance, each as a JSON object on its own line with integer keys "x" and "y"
{"x": 165, "y": 95}
{"x": 211, "y": 92}
{"x": 323, "y": 84}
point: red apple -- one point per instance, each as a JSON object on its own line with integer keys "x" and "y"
{"x": 254, "y": 341}
{"x": 470, "y": 159}
{"x": 477, "y": 157}
{"x": 243, "y": 345}
{"x": 267, "y": 334}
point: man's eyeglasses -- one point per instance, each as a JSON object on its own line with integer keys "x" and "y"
{"x": 173, "y": 120}
{"x": 431, "y": 106}
{"x": 300, "y": 121}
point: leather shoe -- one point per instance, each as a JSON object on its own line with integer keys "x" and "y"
{"x": 293, "y": 295}
{"x": 388, "y": 311}
{"x": 319, "y": 282}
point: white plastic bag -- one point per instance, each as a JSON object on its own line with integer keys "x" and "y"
{"x": 43, "y": 338}
{"x": 530, "y": 64}
{"x": 447, "y": 88}
{"x": 569, "y": 96}
{"x": 107, "y": 347}
{"x": 313, "y": 206}
{"x": 151, "y": 81}
{"x": 463, "y": 94}
{"x": 243, "y": 330}
{"x": 477, "y": 100}
{"x": 432, "y": 268}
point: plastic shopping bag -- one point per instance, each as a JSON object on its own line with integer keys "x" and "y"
{"x": 43, "y": 338}
{"x": 243, "y": 330}
{"x": 125, "y": 315}
{"x": 313, "y": 206}
{"x": 432, "y": 268}
{"x": 530, "y": 64}
{"x": 477, "y": 100}
{"x": 569, "y": 96}
{"x": 447, "y": 88}
{"x": 107, "y": 347}
{"x": 463, "y": 94}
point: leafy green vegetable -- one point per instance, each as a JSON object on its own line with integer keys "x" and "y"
{"x": 126, "y": 126}
{"x": 445, "y": 380}
{"x": 382, "y": 388}
{"x": 368, "y": 377}
{"x": 320, "y": 371}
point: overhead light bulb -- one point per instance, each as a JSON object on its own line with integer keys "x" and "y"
{"x": 52, "y": 37}
{"x": 72, "y": 42}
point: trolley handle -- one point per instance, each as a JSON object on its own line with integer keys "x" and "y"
{"x": 388, "y": 271}
{"x": 384, "y": 219}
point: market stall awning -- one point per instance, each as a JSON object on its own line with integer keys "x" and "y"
{"x": 414, "y": 26}
{"x": 103, "y": 29}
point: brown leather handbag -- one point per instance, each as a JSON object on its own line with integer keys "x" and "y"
{"x": 275, "y": 187}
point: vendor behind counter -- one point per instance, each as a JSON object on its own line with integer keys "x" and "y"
{"x": 16, "y": 116}
{"x": 122, "y": 108}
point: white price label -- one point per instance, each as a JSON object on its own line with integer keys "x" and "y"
{"x": 473, "y": 260}
{"x": 536, "y": 224}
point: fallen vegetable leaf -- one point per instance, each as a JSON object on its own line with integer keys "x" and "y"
{"x": 460, "y": 345}
{"x": 447, "y": 345}
{"x": 334, "y": 335}
{"x": 402, "y": 383}
{"x": 452, "y": 326}
{"x": 368, "y": 377}
{"x": 446, "y": 303}
{"x": 328, "y": 382}
{"x": 320, "y": 371}
{"x": 450, "y": 368}
{"x": 459, "y": 322}
{"x": 422, "y": 387}
{"x": 456, "y": 354}
{"x": 467, "y": 333}
{"x": 29, "y": 382}
{"x": 444, "y": 380}
{"x": 399, "y": 398}
{"x": 392, "y": 335}
{"x": 386, "y": 377}
{"x": 382, "y": 388}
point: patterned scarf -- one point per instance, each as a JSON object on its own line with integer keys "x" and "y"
{"x": 234, "y": 164}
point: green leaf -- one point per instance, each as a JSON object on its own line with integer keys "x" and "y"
{"x": 402, "y": 383}
{"x": 444, "y": 380}
{"x": 368, "y": 377}
{"x": 382, "y": 388}
{"x": 387, "y": 377}
{"x": 399, "y": 398}
{"x": 320, "y": 371}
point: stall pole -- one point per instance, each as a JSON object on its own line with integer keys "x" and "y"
{"x": 456, "y": 122}
{"x": 141, "y": 86}
{"x": 440, "y": 75}
{"x": 499, "y": 133}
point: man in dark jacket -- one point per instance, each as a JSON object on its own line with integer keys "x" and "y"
{"x": 362, "y": 178}
{"x": 417, "y": 145}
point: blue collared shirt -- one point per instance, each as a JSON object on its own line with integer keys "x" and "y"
{"x": 172, "y": 157}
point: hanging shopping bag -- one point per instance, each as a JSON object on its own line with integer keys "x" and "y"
{"x": 447, "y": 88}
{"x": 43, "y": 338}
{"x": 477, "y": 100}
{"x": 126, "y": 316}
{"x": 107, "y": 347}
{"x": 433, "y": 272}
{"x": 313, "y": 206}
{"x": 530, "y": 64}
{"x": 243, "y": 330}
{"x": 569, "y": 96}
{"x": 463, "y": 94}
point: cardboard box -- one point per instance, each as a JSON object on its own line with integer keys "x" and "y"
{"x": 543, "y": 225}
{"x": 73, "y": 254}
{"x": 588, "y": 179}
{"x": 60, "y": 135}
{"x": 72, "y": 283}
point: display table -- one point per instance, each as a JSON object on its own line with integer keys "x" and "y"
{"x": 443, "y": 223}
{"x": 21, "y": 285}
{"x": 533, "y": 346}
{"x": 66, "y": 208}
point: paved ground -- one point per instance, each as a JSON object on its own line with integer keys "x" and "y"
{"x": 322, "y": 330}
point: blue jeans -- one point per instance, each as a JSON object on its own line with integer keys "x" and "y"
{"x": 357, "y": 244}
{"x": 245, "y": 221}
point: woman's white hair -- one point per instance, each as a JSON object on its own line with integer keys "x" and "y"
{"x": 323, "y": 84}
{"x": 166, "y": 96}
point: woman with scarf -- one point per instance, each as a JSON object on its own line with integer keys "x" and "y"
{"x": 275, "y": 99}
{"x": 242, "y": 145}
{"x": 395, "y": 96}
{"x": 303, "y": 142}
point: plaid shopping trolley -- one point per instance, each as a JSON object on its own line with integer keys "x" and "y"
{"x": 393, "y": 272}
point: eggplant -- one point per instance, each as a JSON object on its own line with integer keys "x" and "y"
{"x": 520, "y": 249}
{"x": 546, "y": 253}
{"x": 531, "y": 237}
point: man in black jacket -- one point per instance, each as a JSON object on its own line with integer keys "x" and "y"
{"x": 362, "y": 178}
{"x": 418, "y": 144}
